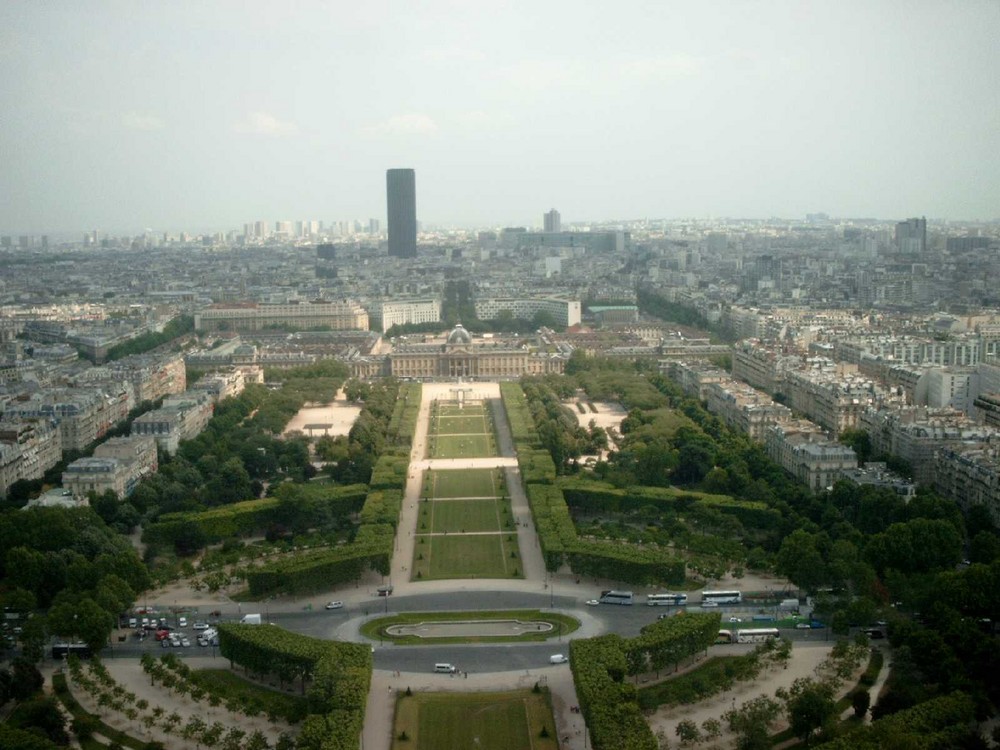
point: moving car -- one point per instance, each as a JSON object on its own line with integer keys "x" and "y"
{"x": 592, "y": 602}
{"x": 558, "y": 659}
{"x": 200, "y": 625}
{"x": 445, "y": 668}
{"x": 334, "y": 605}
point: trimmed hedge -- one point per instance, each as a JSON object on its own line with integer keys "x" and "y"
{"x": 591, "y": 497}
{"x": 600, "y": 666}
{"x": 312, "y": 501}
{"x": 340, "y": 676}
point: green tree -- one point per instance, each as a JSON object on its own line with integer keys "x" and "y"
{"x": 860, "y": 442}
{"x": 687, "y": 732}
{"x": 800, "y": 559}
{"x": 861, "y": 701}
{"x": 809, "y": 707}
{"x": 752, "y": 721}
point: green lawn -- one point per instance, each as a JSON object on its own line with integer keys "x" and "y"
{"x": 466, "y": 556}
{"x": 453, "y": 410}
{"x": 461, "y": 425}
{"x": 462, "y": 446}
{"x": 460, "y": 516}
{"x": 479, "y": 721}
{"x": 462, "y": 483}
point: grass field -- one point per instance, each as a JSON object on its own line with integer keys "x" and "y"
{"x": 482, "y": 721}
{"x": 463, "y": 446}
{"x": 441, "y": 409}
{"x": 466, "y": 556}
{"x": 465, "y": 515}
{"x": 462, "y": 483}
{"x": 461, "y": 425}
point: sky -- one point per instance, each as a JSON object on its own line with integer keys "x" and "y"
{"x": 120, "y": 116}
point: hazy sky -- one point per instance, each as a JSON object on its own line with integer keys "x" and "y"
{"x": 186, "y": 115}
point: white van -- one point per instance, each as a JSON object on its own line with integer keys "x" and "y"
{"x": 253, "y": 619}
{"x": 445, "y": 668}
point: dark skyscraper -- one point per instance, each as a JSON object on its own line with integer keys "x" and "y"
{"x": 401, "y": 199}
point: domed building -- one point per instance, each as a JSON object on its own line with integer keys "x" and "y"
{"x": 461, "y": 356}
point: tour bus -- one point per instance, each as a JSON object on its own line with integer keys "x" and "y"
{"x": 724, "y": 636}
{"x": 715, "y": 598}
{"x": 666, "y": 600}
{"x": 616, "y": 597}
{"x": 756, "y": 635}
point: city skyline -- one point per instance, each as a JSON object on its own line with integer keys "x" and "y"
{"x": 201, "y": 116}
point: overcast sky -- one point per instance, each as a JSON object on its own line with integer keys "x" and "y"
{"x": 192, "y": 115}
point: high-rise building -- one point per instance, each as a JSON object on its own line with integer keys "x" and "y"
{"x": 911, "y": 235}
{"x": 401, "y": 200}
{"x": 551, "y": 221}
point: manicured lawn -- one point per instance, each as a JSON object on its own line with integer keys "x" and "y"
{"x": 461, "y": 516}
{"x": 463, "y": 446}
{"x": 484, "y": 721}
{"x": 466, "y": 556}
{"x": 462, "y": 425}
{"x": 453, "y": 410}
{"x": 462, "y": 483}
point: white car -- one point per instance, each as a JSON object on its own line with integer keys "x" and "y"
{"x": 182, "y": 622}
{"x": 735, "y": 619}
{"x": 200, "y": 625}
{"x": 185, "y": 642}
{"x": 334, "y": 605}
{"x": 592, "y": 602}
{"x": 709, "y": 604}
{"x": 558, "y": 659}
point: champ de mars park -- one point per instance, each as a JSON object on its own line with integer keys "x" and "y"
{"x": 478, "y": 601}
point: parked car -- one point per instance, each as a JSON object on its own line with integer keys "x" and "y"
{"x": 735, "y": 619}
{"x": 200, "y": 625}
{"x": 182, "y": 622}
{"x": 802, "y": 626}
{"x": 334, "y": 605}
{"x": 185, "y": 642}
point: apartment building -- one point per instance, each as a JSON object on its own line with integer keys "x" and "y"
{"x": 915, "y": 434}
{"x": 28, "y": 448}
{"x": 256, "y": 316}
{"x": 565, "y": 312}
{"x": 118, "y": 464}
{"x": 179, "y": 418}
{"x": 744, "y": 409}
{"x": 402, "y": 312}
{"x": 970, "y": 476}
{"x": 805, "y": 452}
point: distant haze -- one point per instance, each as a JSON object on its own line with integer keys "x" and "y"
{"x": 173, "y": 115}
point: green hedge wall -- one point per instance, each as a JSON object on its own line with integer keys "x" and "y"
{"x": 339, "y": 673}
{"x": 310, "y": 504}
{"x": 593, "y": 496}
{"x": 600, "y": 666}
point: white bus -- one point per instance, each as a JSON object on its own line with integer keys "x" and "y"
{"x": 720, "y": 597}
{"x": 756, "y": 635}
{"x": 666, "y": 600}
{"x": 616, "y": 597}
